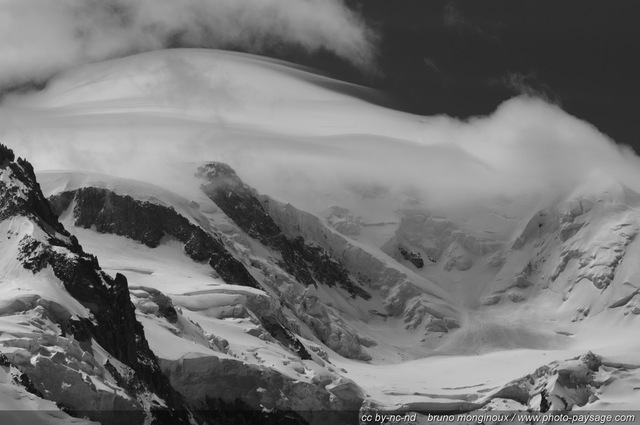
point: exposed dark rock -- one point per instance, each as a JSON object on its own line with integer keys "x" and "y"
{"x": 239, "y": 202}
{"x": 544, "y": 402}
{"x": 115, "y": 327}
{"x": 6, "y": 154}
{"x": 325, "y": 269}
{"x": 253, "y": 384}
{"x": 580, "y": 377}
{"x": 592, "y": 361}
{"x": 309, "y": 264}
{"x": 113, "y": 324}
{"x": 237, "y": 412}
{"x": 149, "y": 223}
{"x": 413, "y": 257}
{"x": 27, "y": 201}
{"x": 61, "y": 202}
{"x": 285, "y": 337}
{"x": 166, "y": 308}
{"x": 32, "y": 255}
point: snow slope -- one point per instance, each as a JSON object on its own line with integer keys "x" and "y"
{"x": 465, "y": 367}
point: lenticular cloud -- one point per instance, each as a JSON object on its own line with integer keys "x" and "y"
{"x": 41, "y": 37}
{"x": 282, "y": 130}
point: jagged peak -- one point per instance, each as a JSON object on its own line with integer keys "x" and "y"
{"x": 218, "y": 169}
{"x": 89, "y": 305}
{"x": 20, "y": 193}
{"x": 221, "y": 174}
{"x": 6, "y": 154}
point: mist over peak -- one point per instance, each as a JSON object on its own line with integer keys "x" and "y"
{"x": 288, "y": 132}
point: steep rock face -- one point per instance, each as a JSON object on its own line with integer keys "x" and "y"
{"x": 235, "y": 380}
{"x": 416, "y": 300}
{"x": 324, "y": 323}
{"x": 309, "y": 264}
{"x": 111, "y": 321}
{"x": 149, "y": 223}
{"x": 60, "y": 370}
{"x": 302, "y": 267}
{"x": 288, "y": 229}
{"x": 20, "y": 194}
{"x": 414, "y": 257}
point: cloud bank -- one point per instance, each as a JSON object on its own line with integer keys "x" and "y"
{"x": 39, "y": 38}
{"x": 300, "y": 141}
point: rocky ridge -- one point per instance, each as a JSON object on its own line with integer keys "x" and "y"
{"x": 149, "y": 223}
{"x": 63, "y": 346}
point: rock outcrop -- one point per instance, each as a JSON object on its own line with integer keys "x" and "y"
{"x": 405, "y": 295}
{"x": 149, "y": 223}
{"x": 234, "y": 380}
{"x": 308, "y": 263}
{"x": 47, "y": 251}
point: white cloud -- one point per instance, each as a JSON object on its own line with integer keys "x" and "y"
{"x": 295, "y": 139}
{"x": 41, "y": 37}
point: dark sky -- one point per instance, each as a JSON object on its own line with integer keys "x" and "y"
{"x": 465, "y": 57}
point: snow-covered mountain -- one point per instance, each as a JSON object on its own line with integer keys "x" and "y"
{"x": 263, "y": 284}
{"x": 337, "y": 298}
{"x": 68, "y": 326}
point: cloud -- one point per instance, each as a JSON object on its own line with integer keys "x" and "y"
{"x": 452, "y": 17}
{"x": 527, "y": 84}
{"x": 300, "y": 141}
{"x": 41, "y": 37}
